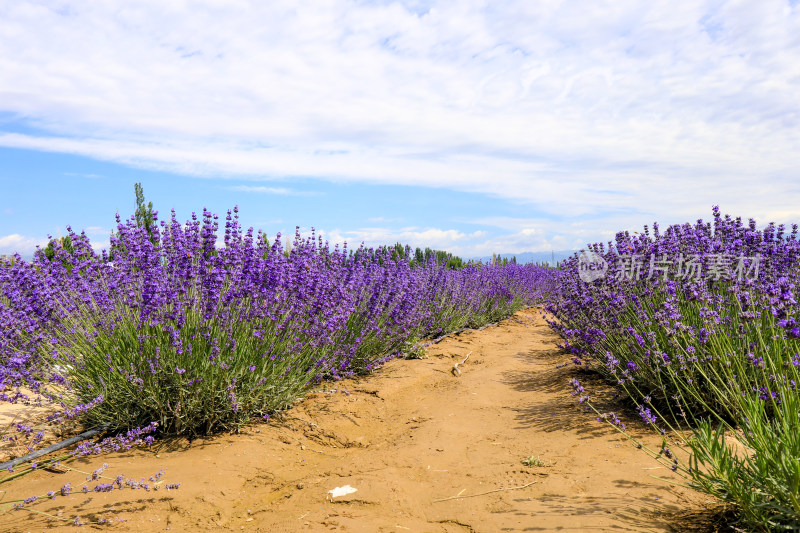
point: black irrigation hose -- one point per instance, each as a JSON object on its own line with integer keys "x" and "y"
{"x": 53, "y": 448}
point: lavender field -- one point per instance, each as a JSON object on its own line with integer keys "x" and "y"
{"x": 210, "y": 327}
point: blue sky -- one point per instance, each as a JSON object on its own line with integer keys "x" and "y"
{"x": 475, "y": 127}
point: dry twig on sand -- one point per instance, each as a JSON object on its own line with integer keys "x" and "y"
{"x": 484, "y": 493}
{"x": 456, "y": 370}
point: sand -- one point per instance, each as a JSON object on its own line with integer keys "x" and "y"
{"x": 427, "y": 449}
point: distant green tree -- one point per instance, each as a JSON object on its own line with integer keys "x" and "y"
{"x": 497, "y": 259}
{"x": 144, "y": 214}
{"x": 401, "y": 251}
{"x": 419, "y": 256}
{"x": 455, "y": 263}
{"x": 64, "y": 242}
{"x": 145, "y": 217}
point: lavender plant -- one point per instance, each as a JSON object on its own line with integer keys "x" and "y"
{"x": 202, "y": 336}
{"x": 95, "y": 478}
{"x": 709, "y": 359}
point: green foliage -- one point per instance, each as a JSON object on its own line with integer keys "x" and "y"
{"x": 415, "y": 351}
{"x": 189, "y": 391}
{"x": 454, "y": 312}
{"x": 421, "y": 257}
{"x": 757, "y": 468}
{"x": 418, "y": 256}
{"x": 60, "y": 242}
{"x": 65, "y": 247}
{"x": 144, "y": 214}
{"x": 145, "y": 217}
{"x": 503, "y": 261}
{"x": 534, "y": 461}
{"x": 730, "y": 403}
{"x": 454, "y": 263}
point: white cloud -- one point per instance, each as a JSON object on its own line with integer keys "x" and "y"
{"x": 83, "y": 175}
{"x": 280, "y": 191}
{"x": 262, "y": 190}
{"x": 651, "y": 109}
{"x": 384, "y": 219}
{"x": 25, "y": 245}
{"x": 524, "y": 236}
{"x": 98, "y": 237}
{"x": 20, "y": 244}
{"x": 440, "y": 239}
{"x": 544, "y": 235}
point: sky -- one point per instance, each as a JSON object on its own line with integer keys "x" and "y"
{"x": 470, "y": 126}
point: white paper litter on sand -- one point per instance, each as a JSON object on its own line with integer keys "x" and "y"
{"x": 342, "y": 491}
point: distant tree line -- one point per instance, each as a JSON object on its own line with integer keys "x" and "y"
{"x": 419, "y": 256}
{"x": 422, "y": 256}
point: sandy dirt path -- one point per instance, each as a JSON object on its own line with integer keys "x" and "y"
{"x": 407, "y": 438}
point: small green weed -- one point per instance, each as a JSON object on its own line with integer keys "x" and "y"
{"x": 533, "y": 460}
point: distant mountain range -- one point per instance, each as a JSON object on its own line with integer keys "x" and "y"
{"x": 533, "y": 257}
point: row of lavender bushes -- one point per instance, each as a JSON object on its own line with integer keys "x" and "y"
{"x": 173, "y": 327}
{"x": 710, "y": 360}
